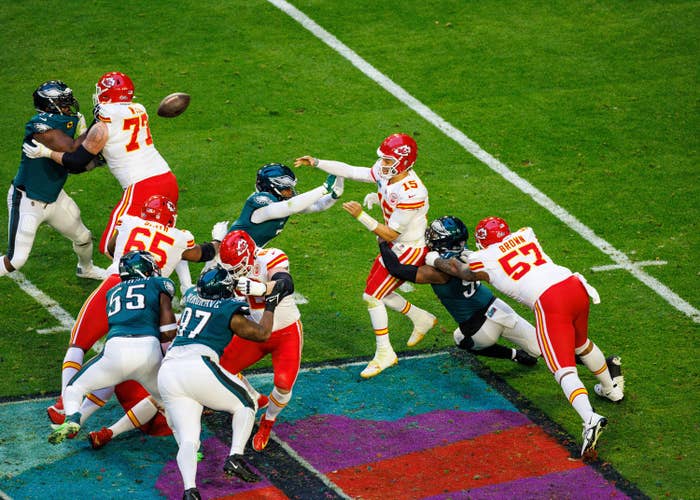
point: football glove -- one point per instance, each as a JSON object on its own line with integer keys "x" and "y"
{"x": 36, "y": 150}
{"x": 329, "y": 183}
{"x": 431, "y": 257}
{"x": 370, "y": 200}
{"x": 220, "y": 230}
{"x": 81, "y": 126}
{"x": 284, "y": 286}
{"x": 338, "y": 188}
{"x": 250, "y": 287}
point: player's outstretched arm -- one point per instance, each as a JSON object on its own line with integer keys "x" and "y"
{"x": 337, "y": 168}
{"x": 407, "y": 272}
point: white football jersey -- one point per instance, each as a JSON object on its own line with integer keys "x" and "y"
{"x": 129, "y": 151}
{"x": 405, "y": 207}
{"x": 165, "y": 243}
{"x": 287, "y": 311}
{"x": 518, "y": 267}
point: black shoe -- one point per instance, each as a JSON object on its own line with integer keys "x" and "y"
{"x": 524, "y": 358}
{"x": 615, "y": 368}
{"x": 192, "y": 494}
{"x": 235, "y": 466}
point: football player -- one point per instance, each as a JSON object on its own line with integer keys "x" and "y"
{"x": 155, "y": 232}
{"x": 481, "y": 317}
{"x": 36, "y": 193}
{"x": 404, "y": 203}
{"x": 121, "y": 133}
{"x": 266, "y": 211}
{"x": 140, "y": 318}
{"x": 192, "y": 376}
{"x": 516, "y": 265}
{"x": 257, "y": 271}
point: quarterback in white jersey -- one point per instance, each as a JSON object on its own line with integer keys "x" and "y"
{"x": 257, "y": 271}
{"x": 516, "y": 264}
{"x": 404, "y": 203}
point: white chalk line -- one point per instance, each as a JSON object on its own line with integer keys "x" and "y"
{"x": 475, "y": 150}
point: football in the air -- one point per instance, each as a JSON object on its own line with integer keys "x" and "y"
{"x": 173, "y": 105}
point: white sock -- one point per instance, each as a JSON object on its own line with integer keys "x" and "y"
{"x": 72, "y": 362}
{"x": 278, "y": 401}
{"x": 140, "y": 413}
{"x": 575, "y": 391}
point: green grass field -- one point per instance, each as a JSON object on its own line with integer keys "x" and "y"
{"x": 593, "y": 103}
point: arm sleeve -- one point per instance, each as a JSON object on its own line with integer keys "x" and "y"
{"x": 324, "y": 203}
{"x": 362, "y": 174}
{"x": 77, "y": 161}
{"x": 403, "y": 272}
{"x": 288, "y": 207}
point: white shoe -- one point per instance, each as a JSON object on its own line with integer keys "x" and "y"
{"x": 592, "y": 431}
{"x": 93, "y": 272}
{"x": 383, "y": 359}
{"x": 420, "y": 328}
{"x": 614, "y": 394}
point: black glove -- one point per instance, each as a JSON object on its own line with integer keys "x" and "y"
{"x": 284, "y": 286}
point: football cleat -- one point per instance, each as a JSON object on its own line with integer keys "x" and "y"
{"x": 383, "y": 359}
{"x": 614, "y": 394}
{"x": 92, "y": 273}
{"x": 191, "y": 494}
{"x": 420, "y": 328}
{"x": 236, "y": 466}
{"x": 65, "y": 430}
{"x": 524, "y": 358}
{"x": 56, "y": 413}
{"x": 592, "y": 431}
{"x": 100, "y": 438}
{"x": 262, "y": 437}
{"x": 263, "y": 401}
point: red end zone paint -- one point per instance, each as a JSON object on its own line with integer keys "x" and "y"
{"x": 516, "y": 453}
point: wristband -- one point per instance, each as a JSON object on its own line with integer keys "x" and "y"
{"x": 368, "y": 221}
{"x": 315, "y": 162}
{"x": 431, "y": 258}
{"x": 168, "y": 327}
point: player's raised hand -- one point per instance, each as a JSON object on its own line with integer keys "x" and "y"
{"x": 370, "y": 200}
{"x": 220, "y": 230}
{"x": 353, "y": 208}
{"x": 308, "y": 161}
{"x": 250, "y": 287}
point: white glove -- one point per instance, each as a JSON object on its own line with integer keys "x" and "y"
{"x": 431, "y": 257}
{"x": 220, "y": 230}
{"x": 370, "y": 200}
{"x": 81, "y": 126}
{"x": 36, "y": 150}
{"x": 250, "y": 287}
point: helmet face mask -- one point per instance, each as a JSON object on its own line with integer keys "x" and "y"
{"x": 55, "y": 97}
{"x": 215, "y": 283}
{"x": 447, "y": 235}
{"x": 113, "y": 87}
{"x": 489, "y": 231}
{"x": 237, "y": 253}
{"x": 159, "y": 208}
{"x": 397, "y": 154}
{"x": 276, "y": 179}
{"x": 138, "y": 264}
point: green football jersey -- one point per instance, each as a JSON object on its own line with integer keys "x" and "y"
{"x": 263, "y": 232}
{"x": 133, "y": 306}
{"x": 205, "y": 321}
{"x": 42, "y": 178}
{"x": 463, "y": 299}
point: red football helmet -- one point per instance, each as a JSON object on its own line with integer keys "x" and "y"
{"x": 159, "y": 208}
{"x": 490, "y": 230}
{"x": 402, "y": 150}
{"x": 114, "y": 87}
{"x": 237, "y": 253}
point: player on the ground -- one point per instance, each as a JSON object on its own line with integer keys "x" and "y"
{"x": 121, "y": 133}
{"x": 36, "y": 193}
{"x": 140, "y": 318}
{"x": 257, "y": 270}
{"x": 482, "y": 318}
{"x": 404, "y": 202}
{"x": 191, "y": 376}
{"x": 155, "y": 232}
{"x": 515, "y": 264}
{"x": 266, "y": 211}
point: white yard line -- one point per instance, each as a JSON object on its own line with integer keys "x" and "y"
{"x": 64, "y": 318}
{"x": 474, "y": 149}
